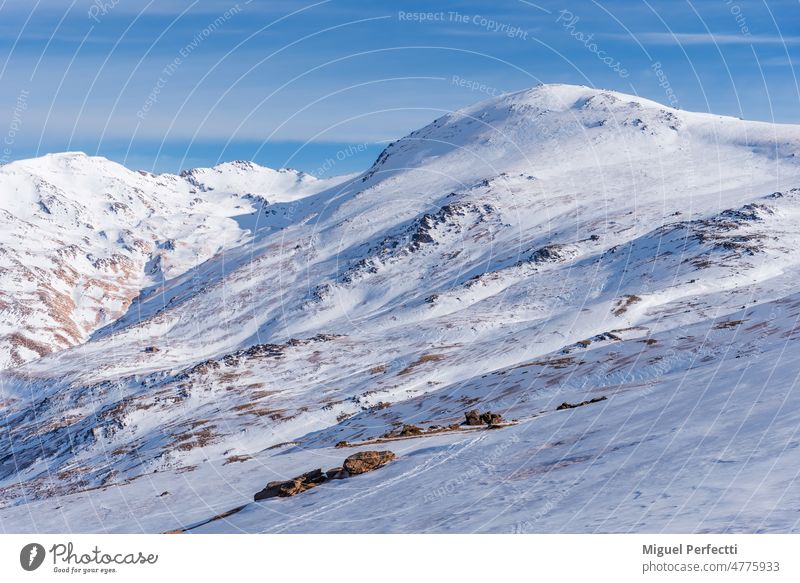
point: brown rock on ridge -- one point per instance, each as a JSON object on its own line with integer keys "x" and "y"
{"x": 566, "y": 405}
{"x": 286, "y": 488}
{"x": 357, "y": 463}
{"x": 366, "y": 461}
{"x": 410, "y": 430}
{"x": 475, "y": 417}
{"x": 490, "y": 418}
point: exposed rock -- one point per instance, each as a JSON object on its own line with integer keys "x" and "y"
{"x": 553, "y": 253}
{"x": 366, "y": 461}
{"x": 473, "y": 417}
{"x": 286, "y": 488}
{"x": 490, "y": 418}
{"x": 566, "y": 405}
{"x": 151, "y": 349}
{"x": 358, "y": 463}
{"x": 409, "y": 430}
{"x": 624, "y": 303}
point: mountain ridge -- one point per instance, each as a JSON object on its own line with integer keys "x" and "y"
{"x": 553, "y": 246}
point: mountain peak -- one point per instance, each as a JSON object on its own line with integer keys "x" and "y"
{"x": 557, "y": 126}
{"x": 562, "y": 97}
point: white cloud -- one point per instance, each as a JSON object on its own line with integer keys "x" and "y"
{"x": 703, "y": 38}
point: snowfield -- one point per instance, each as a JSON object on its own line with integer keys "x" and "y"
{"x": 616, "y": 278}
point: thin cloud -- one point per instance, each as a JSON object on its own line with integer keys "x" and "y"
{"x": 780, "y": 62}
{"x": 705, "y": 38}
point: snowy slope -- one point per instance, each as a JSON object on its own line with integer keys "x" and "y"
{"x": 83, "y": 236}
{"x": 548, "y": 246}
{"x": 247, "y": 178}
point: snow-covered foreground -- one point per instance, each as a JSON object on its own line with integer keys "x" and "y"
{"x": 173, "y": 343}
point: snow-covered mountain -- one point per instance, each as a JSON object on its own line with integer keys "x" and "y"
{"x": 82, "y": 237}
{"x": 173, "y": 343}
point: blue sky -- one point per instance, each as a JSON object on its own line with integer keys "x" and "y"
{"x": 321, "y": 86}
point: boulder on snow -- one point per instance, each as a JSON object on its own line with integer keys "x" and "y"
{"x": 286, "y": 488}
{"x": 366, "y": 461}
{"x": 490, "y": 418}
{"x": 475, "y": 417}
{"x": 410, "y": 430}
{"x": 358, "y": 463}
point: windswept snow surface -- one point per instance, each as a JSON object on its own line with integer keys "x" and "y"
{"x": 173, "y": 343}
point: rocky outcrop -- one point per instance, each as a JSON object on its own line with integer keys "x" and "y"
{"x": 410, "y": 430}
{"x": 366, "y": 461}
{"x": 566, "y": 405}
{"x": 552, "y": 253}
{"x": 358, "y": 463}
{"x": 286, "y": 488}
{"x": 475, "y": 417}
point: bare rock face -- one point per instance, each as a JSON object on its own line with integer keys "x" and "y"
{"x": 566, "y": 405}
{"x": 410, "y": 430}
{"x": 475, "y": 417}
{"x": 490, "y": 418}
{"x": 357, "y": 463}
{"x": 286, "y": 488}
{"x": 366, "y": 461}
